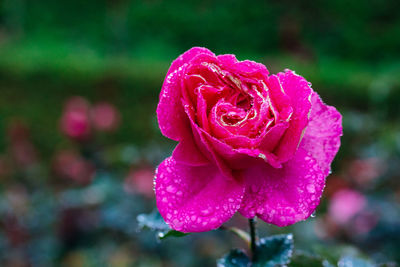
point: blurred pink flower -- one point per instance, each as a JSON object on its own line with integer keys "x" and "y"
{"x": 345, "y": 204}
{"x": 75, "y": 121}
{"x": 70, "y": 165}
{"x": 140, "y": 181}
{"x": 105, "y": 117}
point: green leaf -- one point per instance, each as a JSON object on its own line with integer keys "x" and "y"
{"x": 235, "y": 258}
{"x": 274, "y": 251}
{"x": 155, "y": 222}
{"x": 301, "y": 259}
{"x": 349, "y": 261}
{"x": 170, "y": 233}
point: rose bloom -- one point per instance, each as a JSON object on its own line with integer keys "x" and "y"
{"x": 345, "y": 204}
{"x": 249, "y": 141}
{"x": 75, "y": 121}
{"x": 105, "y": 117}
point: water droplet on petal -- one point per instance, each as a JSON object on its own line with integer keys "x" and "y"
{"x": 177, "y": 224}
{"x": 171, "y": 189}
{"x": 206, "y": 212}
{"x": 311, "y": 188}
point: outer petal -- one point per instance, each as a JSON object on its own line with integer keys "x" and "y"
{"x": 283, "y": 196}
{"x": 322, "y": 136}
{"x": 195, "y": 199}
{"x": 171, "y": 117}
{"x": 299, "y": 92}
{"x": 248, "y": 67}
{"x": 186, "y": 152}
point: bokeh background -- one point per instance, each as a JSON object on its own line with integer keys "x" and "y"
{"x": 79, "y": 141}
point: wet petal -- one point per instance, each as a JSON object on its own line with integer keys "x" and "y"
{"x": 229, "y": 62}
{"x": 299, "y": 92}
{"x": 283, "y": 196}
{"x": 195, "y": 199}
{"x": 187, "y": 152}
{"x": 322, "y": 136}
{"x": 171, "y": 117}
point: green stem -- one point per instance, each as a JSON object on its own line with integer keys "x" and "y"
{"x": 253, "y": 237}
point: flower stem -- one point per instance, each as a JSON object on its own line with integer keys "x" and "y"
{"x": 238, "y": 232}
{"x": 253, "y": 237}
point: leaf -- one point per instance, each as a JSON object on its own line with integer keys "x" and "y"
{"x": 301, "y": 259}
{"x": 170, "y": 233}
{"x": 155, "y": 222}
{"x": 274, "y": 251}
{"x": 349, "y": 261}
{"x": 235, "y": 258}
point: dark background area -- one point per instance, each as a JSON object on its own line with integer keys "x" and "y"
{"x": 117, "y": 52}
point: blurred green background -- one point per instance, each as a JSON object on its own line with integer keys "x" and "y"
{"x": 118, "y": 52}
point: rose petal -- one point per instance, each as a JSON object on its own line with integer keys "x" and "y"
{"x": 171, "y": 117}
{"x": 247, "y": 67}
{"x": 322, "y": 136}
{"x": 233, "y": 158}
{"x": 186, "y": 152}
{"x": 273, "y": 136}
{"x": 283, "y": 196}
{"x": 299, "y": 92}
{"x": 195, "y": 199}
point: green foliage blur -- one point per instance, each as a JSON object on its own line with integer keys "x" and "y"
{"x": 118, "y": 51}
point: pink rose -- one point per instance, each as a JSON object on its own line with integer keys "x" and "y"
{"x": 250, "y": 142}
{"x": 345, "y": 204}
{"x": 75, "y": 121}
{"x": 105, "y": 117}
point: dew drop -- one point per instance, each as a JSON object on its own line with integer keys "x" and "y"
{"x": 313, "y": 214}
{"x": 160, "y": 235}
{"x": 171, "y": 189}
{"x": 311, "y": 188}
{"x": 206, "y": 212}
{"x": 177, "y": 224}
